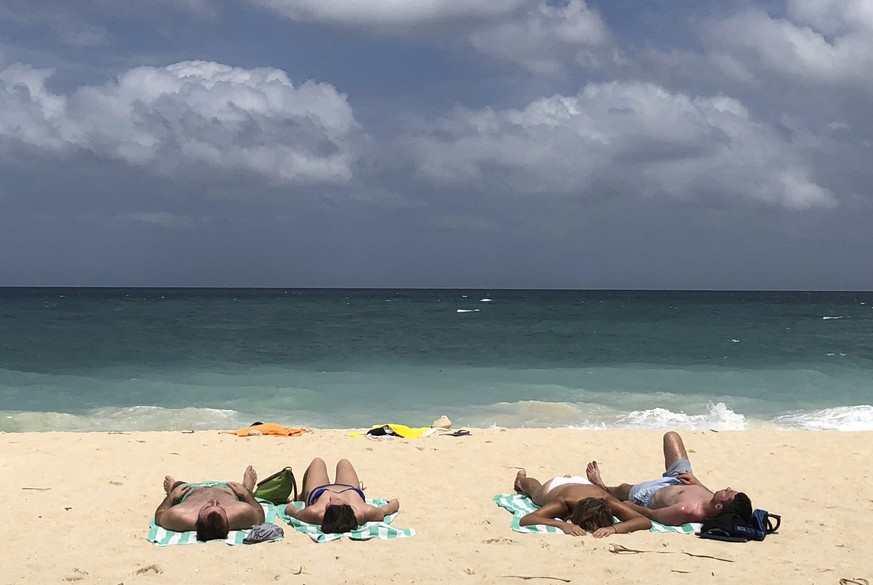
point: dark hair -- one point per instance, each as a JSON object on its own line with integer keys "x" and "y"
{"x": 591, "y": 514}
{"x": 213, "y": 526}
{"x": 338, "y": 518}
{"x": 741, "y": 506}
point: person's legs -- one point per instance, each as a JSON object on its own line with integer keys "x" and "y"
{"x": 250, "y": 478}
{"x": 674, "y": 449}
{"x": 621, "y": 491}
{"x": 346, "y": 474}
{"x": 170, "y": 483}
{"x": 530, "y": 487}
{"x": 314, "y": 476}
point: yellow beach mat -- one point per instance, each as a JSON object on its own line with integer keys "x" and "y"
{"x": 266, "y": 429}
{"x": 394, "y": 430}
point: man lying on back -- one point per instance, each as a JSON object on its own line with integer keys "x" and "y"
{"x": 677, "y": 496}
{"x": 212, "y": 508}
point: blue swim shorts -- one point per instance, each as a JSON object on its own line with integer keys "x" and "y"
{"x": 641, "y": 494}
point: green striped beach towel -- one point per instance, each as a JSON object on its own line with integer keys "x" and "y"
{"x": 369, "y": 530}
{"x": 520, "y": 506}
{"x": 163, "y": 537}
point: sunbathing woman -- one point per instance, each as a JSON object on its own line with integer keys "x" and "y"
{"x": 340, "y": 506}
{"x": 575, "y": 505}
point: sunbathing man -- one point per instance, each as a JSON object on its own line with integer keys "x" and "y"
{"x": 575, "y": 505}
{"x": 676, "y": 497}
{"x": 337, "y": 507}
{"x": 211, "y": 508}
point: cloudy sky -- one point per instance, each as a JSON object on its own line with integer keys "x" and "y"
{"x": 437, "y": 143}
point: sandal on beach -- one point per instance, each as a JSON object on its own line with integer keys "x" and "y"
{"x": 458, "y": 433}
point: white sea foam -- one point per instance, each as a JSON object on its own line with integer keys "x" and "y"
{"x": 537, "y": 414}
{"x": 135, "y": 418}
{"x": 843, "y": 418}
{"x": 486, "y": 300}
{"x": 467, "y": 310}
{"x": 533, "y": 413}
{"x": 525, "y": 413}
{"x": 719, "y": 417}
{"x": 825, "y": 318}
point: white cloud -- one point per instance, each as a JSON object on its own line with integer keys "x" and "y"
{"x": 386, "y": 13}
{"x": 28, "y": 111}
{"x": 822, "y": 41}
{"x": 537, "y": 35}
{"x": 833, "y": 16}
{"x": 544, "y": 38}
{"x": 186, "y": 114}
{"x": 629, "y": 138}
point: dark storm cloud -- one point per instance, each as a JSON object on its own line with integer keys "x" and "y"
{"x": 447, "y": 143}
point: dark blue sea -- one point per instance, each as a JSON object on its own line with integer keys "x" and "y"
{"x": 177, "y": 359}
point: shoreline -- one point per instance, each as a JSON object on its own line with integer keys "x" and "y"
{"x": 91, "y": 494}
{"x": 719, "y": 418}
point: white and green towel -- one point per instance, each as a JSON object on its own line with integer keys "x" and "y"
{"x": 520, "y": 506}
{"x": 163, "y": 537}
{"x": 369, "y": 530}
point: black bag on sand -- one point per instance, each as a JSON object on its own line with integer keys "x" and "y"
{"x": 733, "y": 528}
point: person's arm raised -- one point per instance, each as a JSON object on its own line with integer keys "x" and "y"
{"x": 293, "y": 510}
{"x": 377, "y": 514}
{"x": 307, "y": 514}
{"x": 389, "y": 508}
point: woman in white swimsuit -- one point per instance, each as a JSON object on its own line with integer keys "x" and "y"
{"x": 576, "y": 506}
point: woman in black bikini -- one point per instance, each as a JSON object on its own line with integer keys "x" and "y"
{"x": 340, "y": 506}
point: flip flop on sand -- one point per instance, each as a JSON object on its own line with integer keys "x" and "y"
{"x": 458, "y": 433}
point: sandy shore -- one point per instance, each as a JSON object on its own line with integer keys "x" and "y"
{"x": 77, "y": 507}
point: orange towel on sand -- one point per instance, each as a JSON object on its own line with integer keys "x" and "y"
{"x": 267, "y": 429}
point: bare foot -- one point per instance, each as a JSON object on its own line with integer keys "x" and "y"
{"x": 593, "y": 473}
{"x": 522, "y": 474}
{"x": 250, "y": 478}
{"x": 168, "y": 483}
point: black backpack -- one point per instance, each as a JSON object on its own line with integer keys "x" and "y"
{"x": 733, "y": 528}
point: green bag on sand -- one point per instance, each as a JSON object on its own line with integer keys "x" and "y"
{"x": 278, "y": 487}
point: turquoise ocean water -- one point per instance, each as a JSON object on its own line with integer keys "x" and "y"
{"x": 176, "y": 359}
